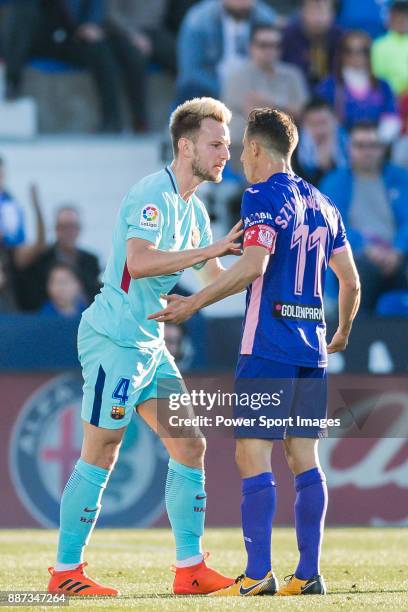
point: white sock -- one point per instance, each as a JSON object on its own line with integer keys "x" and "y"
{"x": 64, "y": 567}
{"x": 190, "y": 561}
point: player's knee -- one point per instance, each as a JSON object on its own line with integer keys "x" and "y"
{"x": 192, "y": 451}
{"x": 299, "y": 463}
{"x": 240, "y": 456}
{"x": 104, "y": 456}
{"x": 110, "y": 455}
{"x": 301, "y": 454}
{"x": 292, "y": 463}
{"x": 290, "y": 459}
{"x": 189, "y": 451}
{"x": 249, "y": 460}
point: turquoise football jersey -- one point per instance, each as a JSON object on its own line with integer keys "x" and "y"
{"x": 155, "y": 211}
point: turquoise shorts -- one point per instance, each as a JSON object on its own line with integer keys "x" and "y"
{"x": 117, "y": 379}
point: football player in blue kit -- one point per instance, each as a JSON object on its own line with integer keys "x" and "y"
{"x": 292, "y": 233}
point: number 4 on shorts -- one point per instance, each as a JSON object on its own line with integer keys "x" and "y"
{"x": 121, "y": 390}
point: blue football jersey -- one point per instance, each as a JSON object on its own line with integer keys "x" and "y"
{"x": 302, "y": 228}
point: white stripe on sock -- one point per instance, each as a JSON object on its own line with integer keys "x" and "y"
{"x": 64, "y": 567}
{"x": 190, "y": 561}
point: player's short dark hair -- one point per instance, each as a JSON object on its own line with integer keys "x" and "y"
{"x": 274, "y": 128}
{"x": 261, "y": 26}
{"x": 186, "y": 119}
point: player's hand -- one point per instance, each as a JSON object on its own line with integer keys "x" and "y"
{"x": 179, "y": 308}
{"x": 227, "y": 245}
{"x": 339, "y": 342}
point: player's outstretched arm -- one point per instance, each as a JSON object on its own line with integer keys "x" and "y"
{"x": 210, "y": 272}
{"x": 250, "y": 266}
{"x": 144, "y": 259}
{"x": 345, "y": 269}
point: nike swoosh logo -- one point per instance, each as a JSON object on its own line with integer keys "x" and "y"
{"x": 304, "y": 588}
{"x": 90, "y": 509}
{"x": 201, "y": 496}
{"x": 244, "y": 591}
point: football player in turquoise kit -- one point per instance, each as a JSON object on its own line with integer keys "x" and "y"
{"x": 292, "y": 233}
{"x": 162, "y": 228}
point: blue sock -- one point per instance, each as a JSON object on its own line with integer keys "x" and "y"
{"x": 79, "y": 511}
{"x": 310, "y": 511}
{"x": 257, "y": 510}
{"x": 185, "y": 503}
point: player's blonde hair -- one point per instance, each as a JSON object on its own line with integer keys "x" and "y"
{"x": 187, "y": 118}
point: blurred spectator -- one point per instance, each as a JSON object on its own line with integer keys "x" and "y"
{"x": 214, "y": 37}
{"x": 65, "y": 30}
{"x": 262, "y": 80}
{"x": 311, "y": 38}
{"x": 179, "y": 345}
{"x": 64, "y": 251}
{"x": 284, "y": 7}
{"x": 12, "y": 232}
{"x": 175, "y": 12}
{"x": 138, "y": 35}
{"x": 400, "y": 152}
{"x": 367, "y": 15}
{"x": 64, "y": 293}
{"x": 8, "y": 301}
{"x": 322, "y": 142}
{"x": 353, "y": 91}
{"x": 390, "y": 52}
{"x": 371, "y": 196}
{"x": 3, "y": 11}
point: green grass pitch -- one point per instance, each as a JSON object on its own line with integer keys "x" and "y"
{"x": 365, "y": 569}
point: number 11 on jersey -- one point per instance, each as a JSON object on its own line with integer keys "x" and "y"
{"x": 306, "y": 242}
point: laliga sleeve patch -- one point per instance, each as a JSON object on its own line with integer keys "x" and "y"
{"x": 149, "y": 217}
{"x": 261, "y": 235}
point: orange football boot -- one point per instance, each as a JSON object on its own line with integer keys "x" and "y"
{"x": 77, "y": 583}
{"x": 198, "y": 579}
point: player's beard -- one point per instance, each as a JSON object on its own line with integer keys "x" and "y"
{"x": 203, "y": 174}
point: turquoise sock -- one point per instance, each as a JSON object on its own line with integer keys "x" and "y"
{"x": 185, "y": 503}
{"x": 79, "y": 511}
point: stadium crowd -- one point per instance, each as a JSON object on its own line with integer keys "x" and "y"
{"x": 331, "y": 65}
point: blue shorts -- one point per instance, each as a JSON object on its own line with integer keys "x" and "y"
{"x": 117, "y": 379}
{"x": 278, "y": 400}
